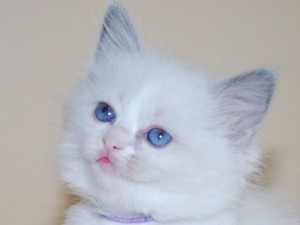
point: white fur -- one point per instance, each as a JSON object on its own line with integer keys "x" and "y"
{"x": 201, "y": 177}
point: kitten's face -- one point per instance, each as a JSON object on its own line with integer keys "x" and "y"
{"x": 147, "y": 130}
{"x": 135, "y": 121}
{"x": 143, "y": 93}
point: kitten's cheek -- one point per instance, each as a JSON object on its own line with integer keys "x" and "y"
{"x": 91, "y": 154}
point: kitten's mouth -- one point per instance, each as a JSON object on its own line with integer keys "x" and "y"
{"x": 104, "y": 160}
{"x": 106, "y": 163}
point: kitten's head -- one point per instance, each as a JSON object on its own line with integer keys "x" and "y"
{"x": 146, "y": 135}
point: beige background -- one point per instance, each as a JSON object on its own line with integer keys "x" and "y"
{"x": 44, "y": 46}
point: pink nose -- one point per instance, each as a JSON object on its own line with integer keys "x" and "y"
{"x": 116, "y": 138}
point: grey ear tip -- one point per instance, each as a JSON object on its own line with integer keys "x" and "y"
{"x": 118, "y": 32}
{"x": 115, "y": 8}
{"x": 116, "y": 14}
{"x": 268, "y": 73}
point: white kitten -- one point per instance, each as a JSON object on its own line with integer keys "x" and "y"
{"x": 150, "y": 141}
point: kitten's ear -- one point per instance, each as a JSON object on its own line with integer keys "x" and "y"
{"x": 118, "y": 32}
{"x": 243, "y": 102}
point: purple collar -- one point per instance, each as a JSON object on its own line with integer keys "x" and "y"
{"x": 116, "y": 219}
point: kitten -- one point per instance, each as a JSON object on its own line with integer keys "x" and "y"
{"x": 150, "y": 141}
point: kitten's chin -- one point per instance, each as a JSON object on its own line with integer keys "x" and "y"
{"x": 113, "y": 170}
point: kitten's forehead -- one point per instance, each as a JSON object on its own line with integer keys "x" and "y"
{"x": 147, "y": 76}
{"x": 150, "y": 86}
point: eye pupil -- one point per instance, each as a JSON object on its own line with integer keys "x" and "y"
{"x": 105, "y": 109}
{"x": 158, "y": 137}
{"x": 105, "y": 112}
{"x": 161, "y": 134}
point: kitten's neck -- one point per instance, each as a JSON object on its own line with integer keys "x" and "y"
{"x": 226, "y": 218}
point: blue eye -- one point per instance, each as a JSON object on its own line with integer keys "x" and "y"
{"x": 105, "y": 112}
{"x": 158, "y": 137}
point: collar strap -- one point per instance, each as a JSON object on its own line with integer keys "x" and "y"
{"x": 116, "y": 219}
